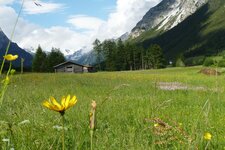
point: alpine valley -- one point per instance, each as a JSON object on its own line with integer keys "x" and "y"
{"x": 191, "y": 29}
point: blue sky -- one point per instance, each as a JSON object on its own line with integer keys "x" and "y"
{"x": 70, "y": 24}
{"x": 96, "y": 8}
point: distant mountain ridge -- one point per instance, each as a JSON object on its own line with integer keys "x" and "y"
{"x": 81, "y": 57}
{"x": 15, "y": 50}
{"x": 75, "y": 56}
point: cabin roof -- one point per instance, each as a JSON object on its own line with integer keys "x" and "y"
{"x": 67, "y": 62}
{"x": 71, "y": 62}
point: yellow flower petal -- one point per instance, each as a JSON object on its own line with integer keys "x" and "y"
{"x": 55, "y": 103}
{"x": 73, "y": 101}
{"x": 46, "y": 104}
{"x": 10, "y": 57}
{"x": 55, "y": 108}
{"x": 67, "y": 101}
{"x": 63, "y": 101}
{"x": 207, "y": 136}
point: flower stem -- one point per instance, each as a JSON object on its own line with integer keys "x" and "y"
{"x": 5, "y": 85}
{"x": 91, "y": 133}
{"x": 10, "y": 66}
{"x": 63, "y": 133}
{"x": 207, "y": 145}
{"x": 11, "y": 37}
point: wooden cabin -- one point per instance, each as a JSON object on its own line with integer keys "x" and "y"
{"x": 72, "y": 67}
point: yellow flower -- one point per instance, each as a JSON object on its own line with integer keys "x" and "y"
{"x": 207, "y": 136}
{"x": 156, "y": 125}
{"x": 10, "y": 57}
{"x": 6, "y": 80}
{"x": 66, "y": 103}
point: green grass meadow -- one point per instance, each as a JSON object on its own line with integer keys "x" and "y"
{"x": 128, "y": 107}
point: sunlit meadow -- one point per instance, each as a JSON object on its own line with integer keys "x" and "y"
{"x": 176, "y": 108}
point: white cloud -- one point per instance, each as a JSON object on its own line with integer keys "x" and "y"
{"x": 6, "y": 2}
{"x": 7, "y": 21}
{"x": 125, "y": 17}
{"x": 59, "y": 37}
{"x": 85, "y": 22}
{"x": 30, "y": 35}
{"x": 121, "y": 20}
{"x": 44, "y": 7}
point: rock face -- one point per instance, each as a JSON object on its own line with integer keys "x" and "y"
{"x": 75, "y": 56}
{"x": 81, "y": 57}
{"x": 166, "y": 15}
{"x": 15, "y": 50}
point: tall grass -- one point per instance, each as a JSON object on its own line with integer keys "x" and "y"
{"x": 126, "y": 119}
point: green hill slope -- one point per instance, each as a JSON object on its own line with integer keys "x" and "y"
{"x": 203, "y": 33}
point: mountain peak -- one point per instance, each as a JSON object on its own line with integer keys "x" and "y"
{"x": 166, "y": 15}
{"x": 14, "y": 49}
{"x": 3, "y": 38}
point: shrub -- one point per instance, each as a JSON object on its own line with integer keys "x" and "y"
{"x": 180, "y": 63}
{"x": 221, "y": 63}
{"x": 194, "y": 61}
{"x": 208, "y": 62}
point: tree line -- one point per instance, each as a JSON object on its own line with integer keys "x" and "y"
{"x": 118, "y": 55}
{"x": 43, "y": 62}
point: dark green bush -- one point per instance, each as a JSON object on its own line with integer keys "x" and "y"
{"x": 221, "y": 63}
{"x": 208, "y": 62}
{"x": 194, "y": 61}
{"x": 180, "y": 63}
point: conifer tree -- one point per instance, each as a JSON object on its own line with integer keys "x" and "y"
{"x": 54, "y": 58}
{"x": 98, "y": 51}
{"x": 39, "y": 60}
{"x": 155, "y": 58}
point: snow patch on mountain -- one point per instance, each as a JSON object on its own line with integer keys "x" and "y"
{"x": 166, "y": 15}
{"x": 76, "y": 55}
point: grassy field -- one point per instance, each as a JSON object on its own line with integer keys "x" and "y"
{"x": 135, "y": 110}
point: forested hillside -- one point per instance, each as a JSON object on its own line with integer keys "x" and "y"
{"x": 201, "y": 34}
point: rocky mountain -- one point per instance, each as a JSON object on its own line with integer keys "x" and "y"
{"x": 166, "y": 15}
{"x": 81, "y": 57}
{"x": 15, "y": 50}
{"x": 200, "y": 34}
{"x": 192, "y": 29}
{"x": 76, "y": 55}
{"x": 88, "y": 58}
{"x": 125, "y": 36}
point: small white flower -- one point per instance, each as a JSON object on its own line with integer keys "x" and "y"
{"x": 24, "y": 122}
{"x": 57, "y": 127}
{"x": 5, "y": 140}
